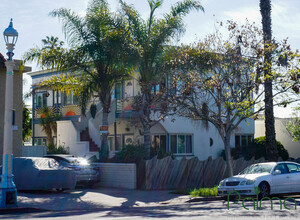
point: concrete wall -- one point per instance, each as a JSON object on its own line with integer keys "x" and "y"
{"x": 69, "y": 138}
{"x": 117, "y": 175}
{"x": 282, "y": 135}
{"x": 67, "y": 134}
{"x": 34, "y": 151}
{"x": 17, "y": 105}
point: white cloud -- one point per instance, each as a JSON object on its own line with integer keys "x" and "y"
{"x": 241, "y": 14}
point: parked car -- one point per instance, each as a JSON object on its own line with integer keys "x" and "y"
{"x": 85, "y": 173}
{"x": 271, "y": 178}
{"x": 38, "y": 173}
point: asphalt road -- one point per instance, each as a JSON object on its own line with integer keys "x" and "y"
{"x": 135, "y": 204}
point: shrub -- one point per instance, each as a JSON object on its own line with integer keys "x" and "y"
{"x": 131, "y": 154}
{"x": 136, "y": 153}
{"x": 52, "y": 149}
{"x": 256, "y": 149}
{"x": 160, "y": 153}
{"x": 259, "y": 146}
{"x": 206, "y": 192}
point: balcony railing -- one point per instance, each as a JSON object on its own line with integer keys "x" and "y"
{"x": 64, "y": 110}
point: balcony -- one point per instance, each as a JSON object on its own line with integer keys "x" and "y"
{"x": 64, "y": 110}
{"x": 124, "y": 108}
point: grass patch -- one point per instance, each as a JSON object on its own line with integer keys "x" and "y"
{"x": 205, "y": 192}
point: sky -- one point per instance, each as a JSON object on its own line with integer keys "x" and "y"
{"x": 32, "y": 21}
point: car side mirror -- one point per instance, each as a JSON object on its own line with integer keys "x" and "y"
{"x": 276, "y": 172}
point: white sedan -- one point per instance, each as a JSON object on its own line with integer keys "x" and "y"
{"x": 271, "y": 178}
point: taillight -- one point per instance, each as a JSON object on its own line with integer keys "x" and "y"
{"x": 96, "y": 168}
{"x": 75, "y": 168}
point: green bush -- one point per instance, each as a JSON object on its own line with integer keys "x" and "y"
{"x": 259, "y": 145}
{"x": 256, "y": 149}
{"x": 245, "y": 152}
{"x": 131, "y": 154}
{"x": 160, "y": 153}
{"x": 136, "y": 153}
{"x": 205, "y": 192}
{"x": 52, "y": 149}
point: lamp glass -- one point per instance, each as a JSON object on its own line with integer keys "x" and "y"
{"x": 10, "y": 34}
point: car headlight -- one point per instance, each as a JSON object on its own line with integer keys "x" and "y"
{"x": 222, "y": 183}
{"x": 250, "y": 182}
{"x": 243, "y": 182}
{"x": 247, "y": 182}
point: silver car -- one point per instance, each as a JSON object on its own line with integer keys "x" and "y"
{"x": 271, "y": 178}
{"x": 85, "y": 173}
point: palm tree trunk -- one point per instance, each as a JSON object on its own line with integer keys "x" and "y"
{"x": 104, "y": 146}
{"x": 146, "y": 119}
{"x": 147, "y": 140}
{"x": 271, "y": 148}
{"x": 49, "y": 137}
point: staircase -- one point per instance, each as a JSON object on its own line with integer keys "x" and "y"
{"x": 84, "y": 136}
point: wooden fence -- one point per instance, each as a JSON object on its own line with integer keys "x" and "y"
{"x": 189, "y": 173}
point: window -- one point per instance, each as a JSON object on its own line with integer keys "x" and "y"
{"x": 181, "y": 144}
{"x": 118, "y": 92}
{"x": 112, "y": 145}
{"x": 293, "y": 168}
{"x": 211, "y": 142}
{"x": 128, "y": 139}
{"x": 243, "y": 140}
{"x": 40, "y": 142}
{"x": 70, "y": 99}
{"x": 57, "y": 97}
{"x": 282, "y": 168}
{"x": 159, "y": 141}
{"x": 40, "y": 100}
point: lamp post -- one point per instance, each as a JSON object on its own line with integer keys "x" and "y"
{"x": 8, "y": 196}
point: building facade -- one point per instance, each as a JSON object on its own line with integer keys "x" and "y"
{"x": 81, "y": 134}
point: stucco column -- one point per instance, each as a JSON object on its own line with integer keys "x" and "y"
{"x": 8, "y": 129}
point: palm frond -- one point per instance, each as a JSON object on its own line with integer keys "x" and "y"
{"x": 74, "y": 26}
{"x": 64, "y": 83}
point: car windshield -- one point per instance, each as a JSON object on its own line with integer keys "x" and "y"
{"x": 76, "y": 160}
{"x": 258, "y": 168}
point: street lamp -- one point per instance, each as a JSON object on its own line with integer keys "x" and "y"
{"x": 8, "y": 196}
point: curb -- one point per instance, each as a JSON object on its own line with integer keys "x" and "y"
{"x": 21, "y": 210}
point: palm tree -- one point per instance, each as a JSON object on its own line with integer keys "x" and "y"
{"x": 48, "y": 123}
{"x": 152, "y": 36}
{"x": 45, "y": 56}
{"x": 100, "y": 48}
{"x": 265, "y": 10}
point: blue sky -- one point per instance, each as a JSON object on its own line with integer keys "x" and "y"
{"x": 33, "y": 23}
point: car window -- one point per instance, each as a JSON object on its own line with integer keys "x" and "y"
{"x": 257, "y": 168}
{"x": 293, "y": 168}
{"x": 282, "y": 168}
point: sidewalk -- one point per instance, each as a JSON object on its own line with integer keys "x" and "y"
{"x": 96, "y": 199}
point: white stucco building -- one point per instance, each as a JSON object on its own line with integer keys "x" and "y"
{"x": 81, "y": 135}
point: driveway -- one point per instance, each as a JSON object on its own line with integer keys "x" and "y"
{"x": 136, "y": 204}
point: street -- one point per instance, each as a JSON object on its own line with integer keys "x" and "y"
{"x": 136, "y": 204}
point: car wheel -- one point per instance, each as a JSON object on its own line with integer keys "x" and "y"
{"x": 90, "y": 184}
{"x": 264, "y": 190}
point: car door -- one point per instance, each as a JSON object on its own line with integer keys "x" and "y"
{"x": 281, "y": 182}
{"x": 294, "y": 173}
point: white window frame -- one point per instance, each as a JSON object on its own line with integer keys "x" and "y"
{"x": 245, "y": 134}
{"x": 181, "y": 154}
